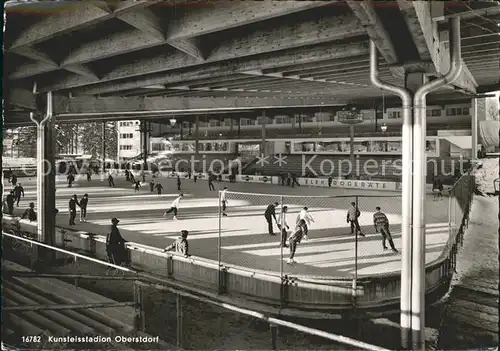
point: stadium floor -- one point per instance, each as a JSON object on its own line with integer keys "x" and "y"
{"x": 244, "y": 239}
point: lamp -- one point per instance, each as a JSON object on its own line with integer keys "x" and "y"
{"x": 496, "y": 185}
{"x": 383, "y": 128}
{"x": 173, "y": 121}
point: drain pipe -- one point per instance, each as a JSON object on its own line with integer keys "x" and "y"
{"x": 419, "y": 183}
{"x": 407, "y": 155}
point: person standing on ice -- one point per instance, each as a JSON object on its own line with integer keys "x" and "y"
{"x": 223, "y": 201}
{"x": 295, "y": 239}
{"x": 307, "y": 218}
{"x": 174, "y": 207}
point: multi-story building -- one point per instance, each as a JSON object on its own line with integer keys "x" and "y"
{"x": 129, "y": 139}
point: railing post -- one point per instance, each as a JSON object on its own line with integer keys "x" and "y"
{"x": 355, "y": 279}
{"x": 178, "y": 305}
{"x": 274, "y": 333}
{"x": 219, "y": 246}
{"x": 140, "y": 314}
{"x": 76, "y": 279}
{"x": 282, "y": 241}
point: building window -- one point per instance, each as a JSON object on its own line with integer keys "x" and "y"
{"x": 434, "y": 112}
{"x": 245, "y": 122}
{"x": 125, "y": 147}
{"x": 451, "y": 111}
{"x": 214, "y": 123}
{"x": 394, "y": 114}
{"x": 465, "y": 111}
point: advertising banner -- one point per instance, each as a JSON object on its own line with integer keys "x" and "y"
{"x": 349, "y": 184}
{"x": 253, "y": 179}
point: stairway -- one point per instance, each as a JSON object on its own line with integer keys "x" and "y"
{"x": 104, "y": 322}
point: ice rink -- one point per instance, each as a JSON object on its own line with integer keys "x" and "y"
{"x": 330, "y": 250}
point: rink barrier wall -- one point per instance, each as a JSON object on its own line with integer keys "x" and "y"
{"x": 300, "y": 296}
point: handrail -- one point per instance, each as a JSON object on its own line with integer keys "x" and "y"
{"x": 271, "y": 320}
{"x": 34, "y": 242}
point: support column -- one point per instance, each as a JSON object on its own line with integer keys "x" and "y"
{"x": 274, "y": 334}
{"x": 351, "y": 154}
{"x": 144, "y": 130}
{"x": 474, "y": 125}
{"x": 46, "y": 182}
{"x": 178, "y": 305}
{"x": 196, "y": 134}
{"x": 263, "y": 149}
{"x": 103, "y": 147}
{"x": 413, "y": 81}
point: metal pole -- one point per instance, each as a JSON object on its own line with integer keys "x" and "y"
{"x": 406, "y": 196}
{"x": 144, "y": 129}
{"x": 103, "y": 147}
{"x": 56, "y": 307}
{"x": 283, "y": 232}
{"x": 419, "y": 133}
{"x": 355, "y": 280}
{"x": 351, "y": 135}
{"x": 274, "y": 333}
{"x": 474, "y": 121}
{"x": 219, "y": 245}
{"x": 178, "y": 305}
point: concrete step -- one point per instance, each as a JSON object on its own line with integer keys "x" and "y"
{"x": 36, "y": 319}
{"x": 18, "y": 294}
{"x": 21, "y": 324}
{"x": 76, "y": 316}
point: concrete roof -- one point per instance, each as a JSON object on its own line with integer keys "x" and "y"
{"x": 199, "y": 55}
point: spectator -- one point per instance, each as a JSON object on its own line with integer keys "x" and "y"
{"x": 180, "y": 245}
{"x": 30, "y": 213}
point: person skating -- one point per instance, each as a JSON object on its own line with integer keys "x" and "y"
{"x": 30, "y": 213}
{"x": 269, "y": 215}
{"x": 115, "y": 245}
{"x": 18, "y": 191}
{"x": 137, "y": 185}
{"x": 211, "y": 186}
{"x": 151, "y": 186}
{"x": 158, "y": 187}
{"x": 223, "y": 201}
{"x": 330, "y": 180}
{"x": 73, "y": 202}
{"x": 10, "y": 199}
{"x": 71, "y": 179}
{"x": 308, "y": 219}
{"x": 174, "y": 207}
{"x": 178, "y": 183}
{"x": 353, "y": 214}
{"x": 127, "y": 175}
{"x": 13, "y": 179}
{"x": 132, "y": 177}
{"x": 180, "y": 245}
{"x": 294, "y": 180}
{"x": 83, "y": 207}
{"x": 381, "y": 223}
{"x": 111, "y": 181}
{"x": 283, "y": 225}
{"x": 437, "y": 189}
{"x": 295, "y": 238}
{"x": 89, "y": 176}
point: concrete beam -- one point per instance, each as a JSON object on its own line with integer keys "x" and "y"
{"x": 144, "y": 20}
{"x": 36, "y": 55}
{"x": 32, "y": 69}
{"x": 20, "y": 98}
{"x": 424, "y": 31}
{"x": 369, "y": 19}
{"x": 73, "y": 17}
{"x": 231, "y": 14}
{"x": 157, "y": 67}
{"x": 187, "y": 46}
{"x": 82, "y": 70}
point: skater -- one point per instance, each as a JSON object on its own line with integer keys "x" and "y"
{"x": 89, "y": 176}
{"x": 180, "y": 245}
{"x": 30, "y": 213}
{"x": 223, "y": 201}
{"x": 195, "y": 177}
{"x": 381, "y": 223}
{"x": 137, "y": 185}
{"x": 330, "y": 180}
{"x": 174, "y": 207}
{"x": 437, "y": 189}
{"x": 71, "y": 179}
{"x": 111, "y": 181}
{"x": 18, "y": 191}
{"x": 143, "y": 177}
{"x": 83, "y": 207}
{"x": 308, "y": 219}
{"x": 289, "y": 179}
{"x": 283, "y": 226}
{"x": 158, "y": 187}
{"x": 189, "y": 174}
{"x": 10, "y": 199}
{"x": 13, "y": 178}
{"x": 127, "y": 175}
{"x": 132, "y": 178}
{"x": 296, "y": 238}
{"x": 211, "y": 186}
{"x": 115, "y": 245}
{"x": 73, "y": 202}
{"x": 294, "y": 180}
{"x": 151, "y": 186}
{"x": 269, "y": 215}
{"x": 353, "y": 214}
{"x": 178, "y": 183}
